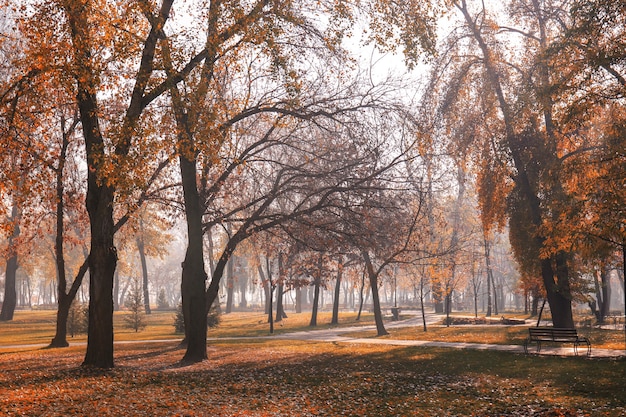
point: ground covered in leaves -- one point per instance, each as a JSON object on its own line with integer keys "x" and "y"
{"x": 279, "y": 378}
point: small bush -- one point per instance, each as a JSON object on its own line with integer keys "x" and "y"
{"x": 162, "y": 303}
{"x": 78, "y": 319}
{"x": 213, "y": 318}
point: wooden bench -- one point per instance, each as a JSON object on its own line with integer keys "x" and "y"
{"x": 555, "y": 335}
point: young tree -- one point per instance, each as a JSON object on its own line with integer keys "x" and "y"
{"x": 135, "y": 318}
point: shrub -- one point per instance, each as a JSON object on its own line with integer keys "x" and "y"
{"x": 78, "y": 319}
{"x": 162, "y": 303}
{"x": 213, "y": 318}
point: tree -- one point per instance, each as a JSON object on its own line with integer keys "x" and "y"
{"x": 520, "y": 134}
{"x": 74, "y": 27}
{"x": 135, "y": 319}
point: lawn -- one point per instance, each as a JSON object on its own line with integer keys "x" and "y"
{"x": 501, "y": 335}
{"x": 245, "y": 378}
{"x": 38, "y": 326}
{"x": 248, "y": 377}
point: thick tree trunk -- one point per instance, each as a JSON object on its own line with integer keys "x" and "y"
{"x": 10, "y": 292}
{"x": 193, "y": 284}
{"x": 102, "y": 263}
{"x": 558, "y": 298}
{"x": 316, "y": 300}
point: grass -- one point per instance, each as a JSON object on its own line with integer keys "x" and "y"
{"x": 501, "y": 335}
{"x": 278, "y": 378}
{"x": 271, "y": 377}
{"x": 38, "y": 326}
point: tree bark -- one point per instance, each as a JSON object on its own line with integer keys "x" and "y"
{"x": 316, "y": 300}
{"x": 193, "y": 284}
{"x": 230, "y": 286}
{"x": 102, "y": 263}
{"x": 335, "y": 318}
{"x": 10, "y": 293}
{"x": 144, "y": 273}
{"x": 489, "y": 274}
{"x": 373, "y": 279}
{"x": 361, "y": 298}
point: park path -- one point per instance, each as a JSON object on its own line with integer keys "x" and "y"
{"x": 341, "y": 335}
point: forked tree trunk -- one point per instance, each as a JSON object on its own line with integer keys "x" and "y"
{"x": 65, "y": 304}
{"x": 373, "y": 279}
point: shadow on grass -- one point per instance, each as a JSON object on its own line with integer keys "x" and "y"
{"x": 299, "y": 378}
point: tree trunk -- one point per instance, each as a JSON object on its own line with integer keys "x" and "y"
{"x": 65, "y": 301}
{"x": 280, "y": 307}
{"x": 489, "y": 273}
{"x": 298, "y": 300}
{"x": 316, "y": 300}
{"x": 102, "y": 263}
{"x": 373, "y": 279}
{"x": 558, "y": 292}
{"x": 605, "y": 279}
{"x": 193, "y": 284}
{"x": 10, "y": 275}
{"x": 243, "y": 287}
{"x": 10, "y": 294}
{"x": 116, "y": 291}
{"x": 266, "y": 287}
{"x": 270, "y": 314}
{"x": 230, "y": 286}
{"x": 361, "y": 298}
{"x": 423, "y": 310}
{"x": 144, "y": 273}
{"x": 335, "y": 318}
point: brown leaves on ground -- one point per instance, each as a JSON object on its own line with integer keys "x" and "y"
{"x": 300, "y": 380}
